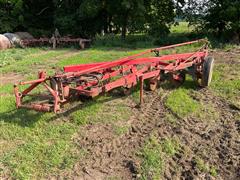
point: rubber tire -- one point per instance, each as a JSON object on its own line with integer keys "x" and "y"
{"x": 53, "y": 84}
{"x": 207, "y": 71}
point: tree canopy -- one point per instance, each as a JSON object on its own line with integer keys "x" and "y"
{"x": 220, "y": 17}
{"x": 87, "y": 18}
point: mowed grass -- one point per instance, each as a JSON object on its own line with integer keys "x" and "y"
{"x": 27, "y": 63}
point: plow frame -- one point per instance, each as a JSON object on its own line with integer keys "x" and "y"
{"x": 96, "y": 78}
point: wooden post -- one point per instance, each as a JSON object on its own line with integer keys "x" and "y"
{"x": 54, "y": 43}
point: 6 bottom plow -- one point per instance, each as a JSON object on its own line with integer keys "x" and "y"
{"x": 93, "y": 79}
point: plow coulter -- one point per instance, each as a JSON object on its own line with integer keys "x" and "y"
{"x": 93, "y": 79}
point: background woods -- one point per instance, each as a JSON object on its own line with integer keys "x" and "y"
{"x": 90, "y": 17}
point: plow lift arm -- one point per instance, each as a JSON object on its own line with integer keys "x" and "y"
{"x": 96, "y": 78}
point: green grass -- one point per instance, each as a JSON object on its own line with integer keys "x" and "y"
{"x": 181, "y": 103}
{"x": 119, "y": 130}
{"x": 153, "y": 155}
{"x": 131, "y": 41}
{"x": 28, "y": 63}
{"x": 10, "y": 56}
{"x": 46, "y": 144}
{"x": 98, "y": 55}
{"x": 203, "y": 167}
{"x": 170, "y": 146}
{"x": 152, "y": 160}
{"x": 170, "y": 119}
{"x": 181, "y": 27}
{"x": 226, "y": 84}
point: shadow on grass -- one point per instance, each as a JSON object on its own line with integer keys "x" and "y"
{"x": 28, "y": 118}
{"x": 85, "y": 102}
{"x": 188, "y": 85}
{"x": 21, "y": 117}
{"x": 141, "y": 41}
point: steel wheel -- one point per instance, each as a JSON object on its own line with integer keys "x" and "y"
{"x": 153, "y": 84}
{"x": 178, "y": 79}
{"x": 127, "y": 91}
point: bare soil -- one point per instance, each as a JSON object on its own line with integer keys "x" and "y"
{"x": 109, "y": 155}
{"x": 10, "y": 78}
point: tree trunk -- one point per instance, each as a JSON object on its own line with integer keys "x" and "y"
{"x": 124, "y": 31}
{"x": 109, "y": 24}
{"x": 124, "y": 27}
{"x": 105, "y": 22}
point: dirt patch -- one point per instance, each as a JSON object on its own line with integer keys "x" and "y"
{"x": 109, "y": 155}
{"x": 229, "y": 57}
{"x": 10, "y": 78}
{"x": 216, "y": 144}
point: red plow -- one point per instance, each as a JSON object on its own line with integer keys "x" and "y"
{"x": 93, "y": 79}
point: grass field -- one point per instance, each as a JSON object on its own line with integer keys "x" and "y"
{"x": 37, "y": 145}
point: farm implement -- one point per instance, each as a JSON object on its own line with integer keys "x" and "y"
{"x": 93, "y": 79}
{"x": 35, "y": 42}
{"x": 83, "y": 43}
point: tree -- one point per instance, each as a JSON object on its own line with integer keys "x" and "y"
{"x": 160, "y": 16}
{"x": 127, "y": 15}
{"x": 220, "y": 17}
{"x": 87, "y": 17}
{"x": 38, "y": 16}
{"x": 11, "y": 15}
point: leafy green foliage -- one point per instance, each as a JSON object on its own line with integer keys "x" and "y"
{"x": 10, "y": 14}
{"x": 160, "y": 16}
{"x": 220, "y": 17}
{"x": 87, "y": 17}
